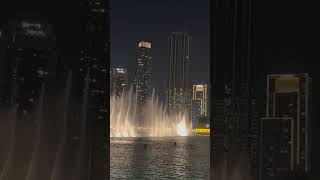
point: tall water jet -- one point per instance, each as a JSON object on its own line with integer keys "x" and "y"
{"x": 83, "y": 155}
{"x": 11, "y": 118}
{"x": 58, "y": 167}
{"x": 39, "y": 124}
{"x": 156, "y": 122}
{"x": 123, "y": 115}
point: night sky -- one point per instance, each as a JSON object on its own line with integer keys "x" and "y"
{"x": 152, "y": 21}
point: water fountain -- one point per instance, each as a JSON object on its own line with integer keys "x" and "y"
{"x": 157, "y": 122}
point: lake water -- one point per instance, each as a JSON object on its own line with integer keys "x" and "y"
{"x": 160, "y": 158}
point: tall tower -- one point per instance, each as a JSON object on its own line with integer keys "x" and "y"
{"x": 4, "y": 70}
{"x": 179, "y": 82}
{"x": 94, "y": 75}
{"x": 119, "y": 81}
{"x": 276, "y": 148}
{"x": 143, "y": 77}
{"x": 234, "y": 134}
{"x": 289, "y": 96}
{"x": 32, "y": 60}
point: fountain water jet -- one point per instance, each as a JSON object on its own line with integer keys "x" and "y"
{"x": 157, "y": 121}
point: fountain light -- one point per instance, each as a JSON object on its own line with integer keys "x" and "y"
{"x": 158, "y": 122}
{"x": 182, "y": 129}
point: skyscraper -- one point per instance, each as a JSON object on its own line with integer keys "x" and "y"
{"x": 32, "y": 60}
{"x": 289, "y": 95}
{"x": 276, "y": 148}
{"x": 94, "y": 75}
{"x": 179, "y": 82}
{"x": 118, "y": 81}
{"x": 143, "y": 76}
{"x": 234, "y": 135}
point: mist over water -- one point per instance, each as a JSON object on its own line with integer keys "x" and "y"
{"x": 156, "y": 122}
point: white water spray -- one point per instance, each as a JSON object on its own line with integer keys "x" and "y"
{"x": 157, "y": 122}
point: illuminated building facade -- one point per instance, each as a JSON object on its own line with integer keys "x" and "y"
{"x": 118, "y": 81}
{"x": 201, "y": 92}
{"x": 199, "y": 104}
{"x": 179, "y": 82}
{"x": 289, "y": 95}
{"x": 94, "y": 90}
{"x": 276, "y": 148}
{"x": 143, "y": 77}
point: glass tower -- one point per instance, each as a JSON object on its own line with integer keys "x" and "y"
{"x": 119, "y": 81}
{"x": 179, "y": 82}
{"x": 94, "y": 90}
{"x": 143, "y": 77}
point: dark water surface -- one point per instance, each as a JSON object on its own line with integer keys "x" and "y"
{"x": 160, "y": 158}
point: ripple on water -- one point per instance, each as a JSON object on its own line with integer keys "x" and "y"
{"x": 189, "y": 159}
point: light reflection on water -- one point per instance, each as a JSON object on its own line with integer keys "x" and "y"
{"x": 160, "y": 158}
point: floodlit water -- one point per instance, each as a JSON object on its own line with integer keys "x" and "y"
{"x": 160, "y": 158}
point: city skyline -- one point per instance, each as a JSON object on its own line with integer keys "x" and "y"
{"x": 56, "y": 104}
{"x": 186, "y": 16}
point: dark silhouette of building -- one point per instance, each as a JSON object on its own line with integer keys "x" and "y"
{"x": 289, "y": 95}
{"x": 33, "y": 58}
{"x": 179, "y": 79}
{"x": 94, "y": 78}
{"x": 276, "y": 148}
{"x": 234, "y": 125}
{"x": 118, "y": 81}
{"x": 55, "y": 125}
{"x": 4, "y": 68}
{"x": 143, "y": 77}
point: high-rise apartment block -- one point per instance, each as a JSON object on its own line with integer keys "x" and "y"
{"x": 276, "y": 156}
{"x": 179, "y": 82}
{"x": 289, "y": 96}
{"x": 143, "y": 77}
{"x": 118, "y": 81}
